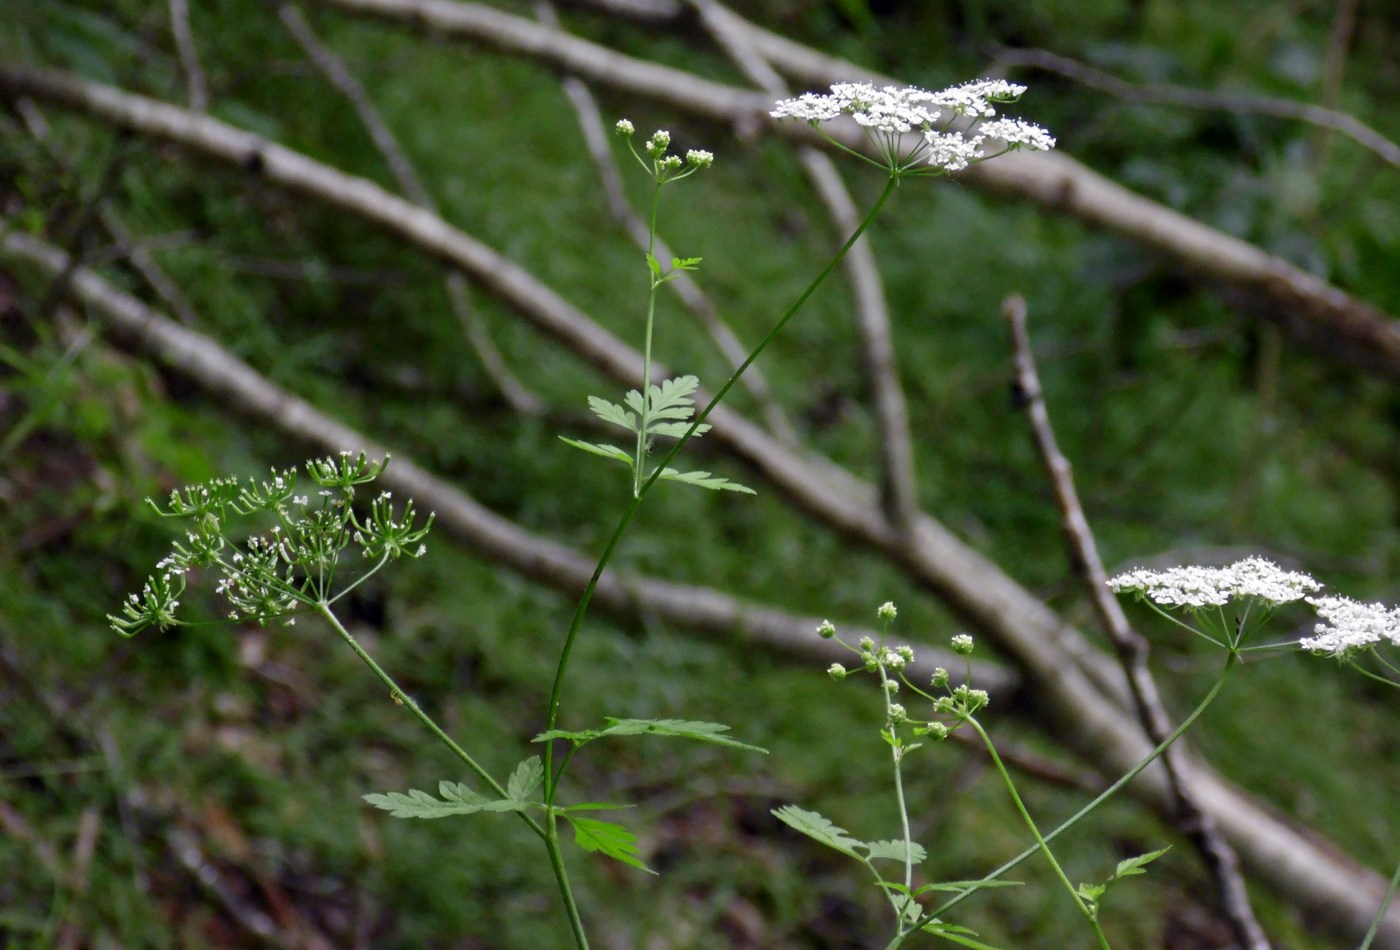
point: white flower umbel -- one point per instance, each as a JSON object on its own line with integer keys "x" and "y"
{"x": 1350, "y": 626}
{"x": 1197, "y": 587}
{"x": 1204, "y": 592}
{"x": 914, "y": 129}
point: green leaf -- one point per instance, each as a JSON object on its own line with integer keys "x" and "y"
{"x": 685, "y": 263}
{"x": 679, "y": 728}
{"x": 675, "y": 430}
{"x": 457, "y": 799}
{"x": 606, "y": 451}
{"x": 818, "y": 828}
{"x": 711, "y": 732}
{"x": 955, "y": 934}
{"x": 615, "y": 841}
{"x": 612, "y": 412}
{"x": 525, "y": 779}
{"x": 653, "y": 265}
{"x": 894, "y": 851}
{"x": 967, "y": 885}
{"x": 1129, "y": 867}
{"x": 705, "y": 480}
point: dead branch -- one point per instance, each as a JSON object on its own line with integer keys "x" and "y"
{"x": 696, "y": 302}
{"x": 1322, "y": 317}
{"x": 899, "y": 489}
{"x": 1242, "y": 103}
{"x": 626, "y": 596}
{"x": 338, "y": 74}
{"x": 1131, "y": 649}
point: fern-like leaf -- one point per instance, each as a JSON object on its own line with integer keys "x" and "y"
{"x": 894, "y": 851}
{"x": 456, "y": 799}
{"x": 705, "y": 480}
{"x": 818, "y": 828}
{"x": 606, "y": 451}
{"x": 607, "y": 838}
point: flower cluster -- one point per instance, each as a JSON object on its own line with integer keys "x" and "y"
{"x": 1350, "y": 626}
{"x": 957, "y": 704}
{"x": 295, "y": 563}
{"x": 663, "y": 166}
{"x": 1200, "y": 587}
{"x": 889, "y": 113}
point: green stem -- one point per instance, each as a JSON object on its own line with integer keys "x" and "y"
{"x": 1040, "y": 841}
{"x": 1380, "y": 914}
{"x": 549, "y": 832}
{"x": 551, "y": 777}
{"x": 397, "y": 692}
{"x": 653, "y": 281}
{"x": 556, "y": 861}
{"x": 582, "y": 608}
{"x": 1107, "y": 793}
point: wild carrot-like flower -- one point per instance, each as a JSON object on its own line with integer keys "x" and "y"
{"x": 1350, "y": 627}
{"x": 951, "y": 124}
{"x": 1199, "y": 587}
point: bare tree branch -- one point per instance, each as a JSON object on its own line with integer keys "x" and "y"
{"x": 1244, "y": 103}
{"x": 515, "y": 393}
{"x": 1073, "y": 686}
{"x": 626, "y": 596}
{"x": 135, "y": 252}
{"x": 899, "y": 494}
{"x": 189, "y": 55}
{"x": 1129, "y": 646}
{"x": 1322, "y": 317}
{"x": 695, "y": 300}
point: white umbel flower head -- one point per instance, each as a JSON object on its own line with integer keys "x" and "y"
{"x": 1197, "y": 587}
{"x": 887, "y": 113}
{"x": 1351, "y": 626}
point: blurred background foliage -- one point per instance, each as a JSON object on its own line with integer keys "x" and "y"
{"x": 1196, "y": 431}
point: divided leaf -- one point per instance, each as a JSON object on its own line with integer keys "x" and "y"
{"x": 818, "y": 828}
{"x": 604, "y": 837}
{"x": 705, "y": 480}
{"x": 457, "y": 799}
{"x": 894, "y": 851}
{"x": 606, "y": 451}
{"x": 525, "y": 779}
{"x": 612, "y": 412}
{"x": 711, "y": 732}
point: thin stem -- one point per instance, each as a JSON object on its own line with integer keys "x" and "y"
{"x": 551, "y": 777}
{"x": 639, "y": 472}
{"x": 1380, "y": 913}
{"x": 556, "y": 861}
{"x": 1107, "y": 793}
{"x": 1041, "y": 843}
{"x": 397, "y": 692}
{"x": 630, "y": 512}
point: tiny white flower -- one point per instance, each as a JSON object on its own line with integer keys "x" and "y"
{"x": 1351, "y": 626}
{"x": 625, "y": 128}
{"x": 887, "y": 611}
{"x": 1197, "y": 587}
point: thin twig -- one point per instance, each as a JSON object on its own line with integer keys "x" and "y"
{"x": 696, "y": 302}
{"x": 899, "y": 495}
{"x": 623, "y": 595}
{"x": 189, "y": 55}
{"x": 338, "y": 74}
{"x": 1128, "y": 645}
{"x": 1245, "y": 103}
{"x": 1333, "y": 67}
{"x": 125, "y": 243}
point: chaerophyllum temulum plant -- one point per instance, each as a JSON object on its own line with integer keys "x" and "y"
{"x": 281, "y": 555}
{"x": 1225, "y": 606}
